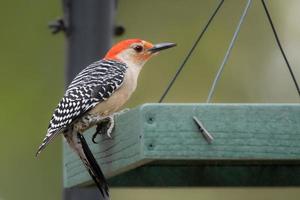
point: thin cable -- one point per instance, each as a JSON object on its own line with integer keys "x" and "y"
{"x": 213, "y": 86}
{"x": 190, "y": 52}
{"x": 280, "y": 47}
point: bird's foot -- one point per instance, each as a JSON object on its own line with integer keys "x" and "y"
{"x": 104, "y": 126}
{"x": 90, "y": 120}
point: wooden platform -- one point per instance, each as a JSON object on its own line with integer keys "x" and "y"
{"x": 160, "y": 145}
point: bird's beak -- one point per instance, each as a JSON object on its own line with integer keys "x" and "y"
{"x": 161, "y": 46}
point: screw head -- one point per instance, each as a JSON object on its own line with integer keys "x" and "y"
{"x": 119, "y": 30}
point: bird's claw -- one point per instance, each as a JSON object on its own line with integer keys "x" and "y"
{"x": 94, "y": 137}
{"x": 105, "y": 126}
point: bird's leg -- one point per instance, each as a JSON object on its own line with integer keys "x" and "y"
{"x": 91, "y": 120}
{"x": 87, "y": 122}
{"x": 104, "y": 126}
{"x": 111, "y": 126}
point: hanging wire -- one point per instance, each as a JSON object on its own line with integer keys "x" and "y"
{"x": 280, "y": 46}
{"x": 190, "y": 52}
{"x": 213, "y": 86}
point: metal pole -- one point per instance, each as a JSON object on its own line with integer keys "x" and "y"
{"x": 89, "y": 29}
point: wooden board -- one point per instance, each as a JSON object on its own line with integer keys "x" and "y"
{"x": 165, "y": 134}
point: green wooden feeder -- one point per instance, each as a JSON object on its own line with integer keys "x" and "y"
{"x": 160, "y": 144}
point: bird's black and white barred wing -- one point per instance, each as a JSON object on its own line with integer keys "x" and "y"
{"x": 94, "y": 84}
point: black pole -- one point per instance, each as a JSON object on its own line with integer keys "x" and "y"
{"x": 89, "y": 30}
{"x": 90, "y": 26}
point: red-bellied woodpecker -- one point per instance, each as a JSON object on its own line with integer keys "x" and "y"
{"x": 95, "y": 95}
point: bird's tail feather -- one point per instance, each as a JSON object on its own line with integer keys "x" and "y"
{"x": 78, "y": 143}
{"x": 48, "y": 138}
{"x": 94, "y": 169}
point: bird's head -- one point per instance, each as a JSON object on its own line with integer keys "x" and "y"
{"x": 135, "y": 51}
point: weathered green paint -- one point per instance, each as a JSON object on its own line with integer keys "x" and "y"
{"x": 251, "y": 134}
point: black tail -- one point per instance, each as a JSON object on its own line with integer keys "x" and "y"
{"x": 94, "y": 169}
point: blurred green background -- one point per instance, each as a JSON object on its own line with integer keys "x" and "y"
{"x": 32, "y": 80}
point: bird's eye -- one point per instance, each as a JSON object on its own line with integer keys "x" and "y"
{"x": 138, "y": 48}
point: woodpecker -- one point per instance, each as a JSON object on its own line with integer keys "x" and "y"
{"x": 95, "y": 95}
